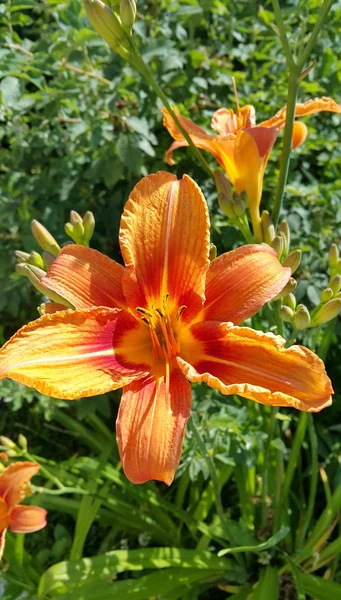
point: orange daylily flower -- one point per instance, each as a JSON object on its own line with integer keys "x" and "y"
{"x": 241, "y": 147}
{"x": 18, "y": 518}
{"x": 168, "y": 317}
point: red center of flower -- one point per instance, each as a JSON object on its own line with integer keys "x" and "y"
{"x": 164, "y": 325}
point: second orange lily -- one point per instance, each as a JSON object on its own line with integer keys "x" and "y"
{"x": 241, "y": 147}
{"x": 169, "y": 317}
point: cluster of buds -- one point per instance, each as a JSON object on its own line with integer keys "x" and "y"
{"x": 232, "y": 204}
{"x": 297, "y": 315}
{"x": 10, "y": 449}
{"x": 79, "y": 229}
{"x": 113, "y": 23}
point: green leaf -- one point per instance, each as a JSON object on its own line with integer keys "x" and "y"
{"x": 319, "y": 588}
{"x": 268, "y": 586}
{"x": 129, "y": 153}
{"x": 270, "y": 543}
{"x": 10, "y": 89}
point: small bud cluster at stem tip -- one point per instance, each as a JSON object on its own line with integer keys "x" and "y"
{"x": 79, "y": 229}
{"x": 128, "y": 13}
{"x": 112, "y": 26}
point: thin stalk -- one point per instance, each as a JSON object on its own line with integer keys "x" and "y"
{"x": 148, "y": 75}
{"x": 287, "y": 141}
{"x": 282, "y": 34}
{"x": 214, "y": 478}
{"x": 266, "y": 466}
{"x": 316, "y": 30}
{"x": 46, "y": 472}
{"x": 313, "y": 483}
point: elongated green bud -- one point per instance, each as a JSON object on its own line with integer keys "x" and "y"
{"x": 128, "y": 13}
{"x": 35, "y": 275}
{"x": 268, "y": 228}
{"x": 283, "y": 228}
{"x": 213, "y": 252}
{"x": 327, "y": 312}
{"x": 77, "y": 227}
{"x": 335, "y": 284}
{"x": 225, "y": 194}
{"x": 290, "y": 286}
{"x": 286, "y": 314}
{"x": 301, "y": 318}
{"x": 278, "y": 244}
{"x": 105, "y": 22}
{"x": 7, "y": 443}
{"x": 290, "y": 301}
{"x": 326, "y": 294}
{"x": 293, "y": 260}
{"x": 36, "y": 260}
{"x": 333, "y": 255}
{"x": 22, "y": 442}
{"x": 21, "y": 257}
{"x": 45, "y": 240}
{"x": 89, "y": 226}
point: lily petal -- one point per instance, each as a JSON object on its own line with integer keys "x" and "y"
{"x": 14, "y": 480}
{"x": 226, "y": 121}
{"x": 2, "y": 542}
{"x": 255, "y": 365}
{"x": 86, "y": 278}
{"x": 240, "y": 282}
{"x": 164, "y": 237}
{"x": 150, "y": 427}
{"x": 312, "y": 106}
{"x": 299, "y": 134}
{"x": 27, "y": 519}
{"x": 4, "y": 515}
{"x": 73, "y": 354}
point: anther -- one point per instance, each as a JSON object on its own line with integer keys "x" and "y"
{"x": 144, "y": 311}
{"x": 180, "y": 311}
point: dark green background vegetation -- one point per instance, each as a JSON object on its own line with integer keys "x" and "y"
{"x": 78, "y": 129}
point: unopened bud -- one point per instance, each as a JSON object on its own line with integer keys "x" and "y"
{"x": 89, "y": 226}
{"x": 301, "y": 318}
{"x": 286, "y": 314}
{"x": 36, "y": 260}
{"x": 326, "y": 295}
{"x": 293, "y": 260}
{"x": 21, "y": 257}
{"x": 22, "y": 442}
{"x": 7, "y": 443}
{"x": 45, "y": 240}
{"x": 3, "y": 457}
{"x": 128, "y": 13}
{"x": 290, "y": 301}
{"x": 327, "y": 312}
{"x": 225, "y": 194}
{"x": 105, "y": 22}
{"x": 239, "y": 207}
{"x": 35, "y": 275}
{"x": 290, "y": 286}
{"x": 48, "y": 259}
{"x": 333, "y": 255}
{"x": 213, "y": 252}
{"x": 335, "y": 284}
{"x": 283, "y": 228}
{"x": 268, "y": 228}
{"x": 278, "y": 245}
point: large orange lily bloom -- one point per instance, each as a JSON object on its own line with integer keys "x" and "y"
{"x": 168, "y": 317}
{"x": 18, "y": 518}
{"x": 241, "y": 147}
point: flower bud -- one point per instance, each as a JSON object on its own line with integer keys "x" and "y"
{"x": 225, "y": 195}
{"x": 333, "y": 255}
{"x": 35, "y": 275}
{"x": 286, "y": 314}
{"x": 290, "y": 286}
{"x": 21, "y": 257}
{"x": 268, "y": 228}
{"x": 335, "y": 284}
{"x": 283, "y": 228}
{"x": 89, "y": 226}
{"x": 128, "y": 13}
{"x": 75, "y": 218}
{"x": 213, "y": 252}
{"x": 3, "y": 457}
{"x": 293, "y": 260}
{"x": 290, "y": 301}
{"x": 45, "y": 240}
{"x": 105, "y": 22}
{"x": 7, "y": 443}
{"x": 22, "y": 442}
{"x": 278, "y": 245}
{"x": 301, "y": 318}
{"x": 36, "y": 260}
{"x": 299, "y": 134}
{"x": 238, "y": 206}
{"x": 326, "y": 294}
{"x": 48, "y": 259}
{"x": 327, "y": 312}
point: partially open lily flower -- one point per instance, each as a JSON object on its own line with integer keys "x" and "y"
{"x": 19, "y": 518}
{"x": 241, "y": 147}
{"x": 169, "y": 317}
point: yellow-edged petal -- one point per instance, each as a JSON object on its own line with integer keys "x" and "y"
{"x": 150, "y": 427}
{"x": 73, "y": 354}
{"x": 255, "y": 365}
{"x": 14, "y": 480}
{"x": 164, "y": 237}
{"x": 240, "y": 282}
{"x": 27, "y": 519}
{"x": 312, "y": 106}
{"x": 86, "y": 278}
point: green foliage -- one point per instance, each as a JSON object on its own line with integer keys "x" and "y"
{"x": 78, "y": 128}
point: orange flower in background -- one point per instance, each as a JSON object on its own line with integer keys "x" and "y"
{"x": 241, "y": 147}
{"x": 17, "y": 517}
{"x": 168, "y": 317}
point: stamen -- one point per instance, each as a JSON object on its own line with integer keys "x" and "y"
{"x": 235, "y": 92}
{"x": 180, "y": 311}
{"x": 167, "y": 396}
{"x": 144, "y": 311}
{"x": 145, "y": 320}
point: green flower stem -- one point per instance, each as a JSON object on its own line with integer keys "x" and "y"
{"x": 316, "y": 30}
{"x": 313, "y": 483}
{"x": 45, "y": 471}
{"x": 148, "y": 75}
{"x": 214, "y": 478}
{"x": 266, "y": 466}
{"x": 282, "y": 34}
